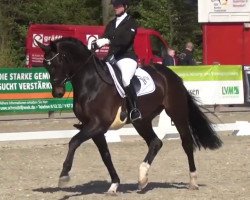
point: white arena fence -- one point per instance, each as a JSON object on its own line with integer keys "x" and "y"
{"x": 165, "y": 129}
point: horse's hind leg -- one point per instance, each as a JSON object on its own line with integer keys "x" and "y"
{"x": 182, "y": 126}
{"x": 102, "y": 146}
{"x": 145, "y": 130}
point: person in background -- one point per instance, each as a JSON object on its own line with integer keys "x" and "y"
{"x": 169, "y": 60}
{"x": 186, "y": 58}
{"x": 119, "y": 35}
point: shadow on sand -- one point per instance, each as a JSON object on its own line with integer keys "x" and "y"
{"x": 101, "y": 187}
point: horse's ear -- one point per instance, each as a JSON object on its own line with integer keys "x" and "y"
{"x": 53, "y": 46}
{"x": 43, "y": 47}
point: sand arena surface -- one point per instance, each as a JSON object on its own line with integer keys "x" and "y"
{"x": 29, "y": 170}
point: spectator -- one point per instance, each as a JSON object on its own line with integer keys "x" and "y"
{"x": 186, "y": 58}
{"x": 169, "y": 60}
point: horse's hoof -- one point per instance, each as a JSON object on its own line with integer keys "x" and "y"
{"x": 112, "y": 190}
{"x": 63, "y": 181}
{"x": 111, "y": 193}
{"x": 193, "y": 187}
{"x": 142, "y": 184}
{"x": 193, "y": 181}
{"x": 143, "y": 175}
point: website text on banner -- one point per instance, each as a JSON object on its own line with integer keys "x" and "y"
{"x": 29, "y": 90}
{"x": 215, "y": 84}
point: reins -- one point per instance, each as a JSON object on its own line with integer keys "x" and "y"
{"x": 110, "y": 81}
{"x": 69, "y": 78}
{"x": 92, "y": 55}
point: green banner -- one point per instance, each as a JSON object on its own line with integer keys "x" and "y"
{"x": 209, "y": 73}
{"x": 29, "y": 90}
{"x": 23, "y": 80}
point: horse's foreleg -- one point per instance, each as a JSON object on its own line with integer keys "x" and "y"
{"x": 88, "y": 131}
{"x": 102, "y": 146}
{"x": 74, "y": 143}
{"x": 154, "y": 145}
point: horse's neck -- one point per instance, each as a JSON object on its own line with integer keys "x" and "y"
{"x": 85, "y": 78}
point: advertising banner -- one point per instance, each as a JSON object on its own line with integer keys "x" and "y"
{"x": 29, "y": 90}
{"x": 213, "y": 84}
{"x": 223, "y": 10}
{"x": 37, "y": 56}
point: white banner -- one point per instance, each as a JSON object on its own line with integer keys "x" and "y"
{"x": 224, "y": 11}
{"x": 213, "y": 84}
{"x": 217, "y": 92}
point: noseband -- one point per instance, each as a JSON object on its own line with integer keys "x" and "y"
{"x": 48, "y": 61}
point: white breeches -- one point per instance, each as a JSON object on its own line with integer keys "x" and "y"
{"x": 127, "y": 67}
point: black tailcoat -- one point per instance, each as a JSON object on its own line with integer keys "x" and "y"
{"x": 121, "y": 38}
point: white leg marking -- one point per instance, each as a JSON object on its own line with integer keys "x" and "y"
{"x": 113, "y": 188}
{"x": 63, "y": 181}
{"x": 143, "y": 175}
{"x": 193, "y": 181}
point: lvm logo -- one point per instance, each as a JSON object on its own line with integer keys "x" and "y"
{"x": 230, "y": 90}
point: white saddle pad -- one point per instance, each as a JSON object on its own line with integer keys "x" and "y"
{"x": 147, "y": 83}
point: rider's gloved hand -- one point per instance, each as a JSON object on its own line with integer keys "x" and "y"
{"x": 94, "y": 46}
{"x": 102, "y": 42}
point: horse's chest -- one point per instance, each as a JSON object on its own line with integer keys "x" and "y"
{"x": 78, "y": 110}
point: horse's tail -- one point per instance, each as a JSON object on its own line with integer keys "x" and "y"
{"x": 202, "y": 131}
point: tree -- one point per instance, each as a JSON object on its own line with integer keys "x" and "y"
{"x": 18, "y": 14}
{"x": 175, "y": 20}
{"x": 107, "y": 11}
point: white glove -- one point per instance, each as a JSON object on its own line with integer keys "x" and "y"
{"x": 102, "y": 42}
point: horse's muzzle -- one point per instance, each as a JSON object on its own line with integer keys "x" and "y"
{"x": 58, "y": 91}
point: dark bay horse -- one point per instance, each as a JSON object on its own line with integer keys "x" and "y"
{"x": 97, "y": 104}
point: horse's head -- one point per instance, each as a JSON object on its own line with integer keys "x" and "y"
{"x": 53, "y": 62}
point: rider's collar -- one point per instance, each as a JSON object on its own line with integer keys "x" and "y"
{"x": 120, "y": 18}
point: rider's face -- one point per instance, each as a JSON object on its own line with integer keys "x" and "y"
{"x": 119, "y": 9}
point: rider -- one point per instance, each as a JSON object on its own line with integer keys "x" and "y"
{"x": 119, "y": 35}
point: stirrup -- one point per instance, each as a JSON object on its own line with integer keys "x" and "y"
{"x": 135, "y": 111}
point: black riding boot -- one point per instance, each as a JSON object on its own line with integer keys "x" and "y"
{"x": 135, "y": 114}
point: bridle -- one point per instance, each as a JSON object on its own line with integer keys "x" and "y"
{"x": 48, "y": 61}
{"x": 69, "y": 77}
